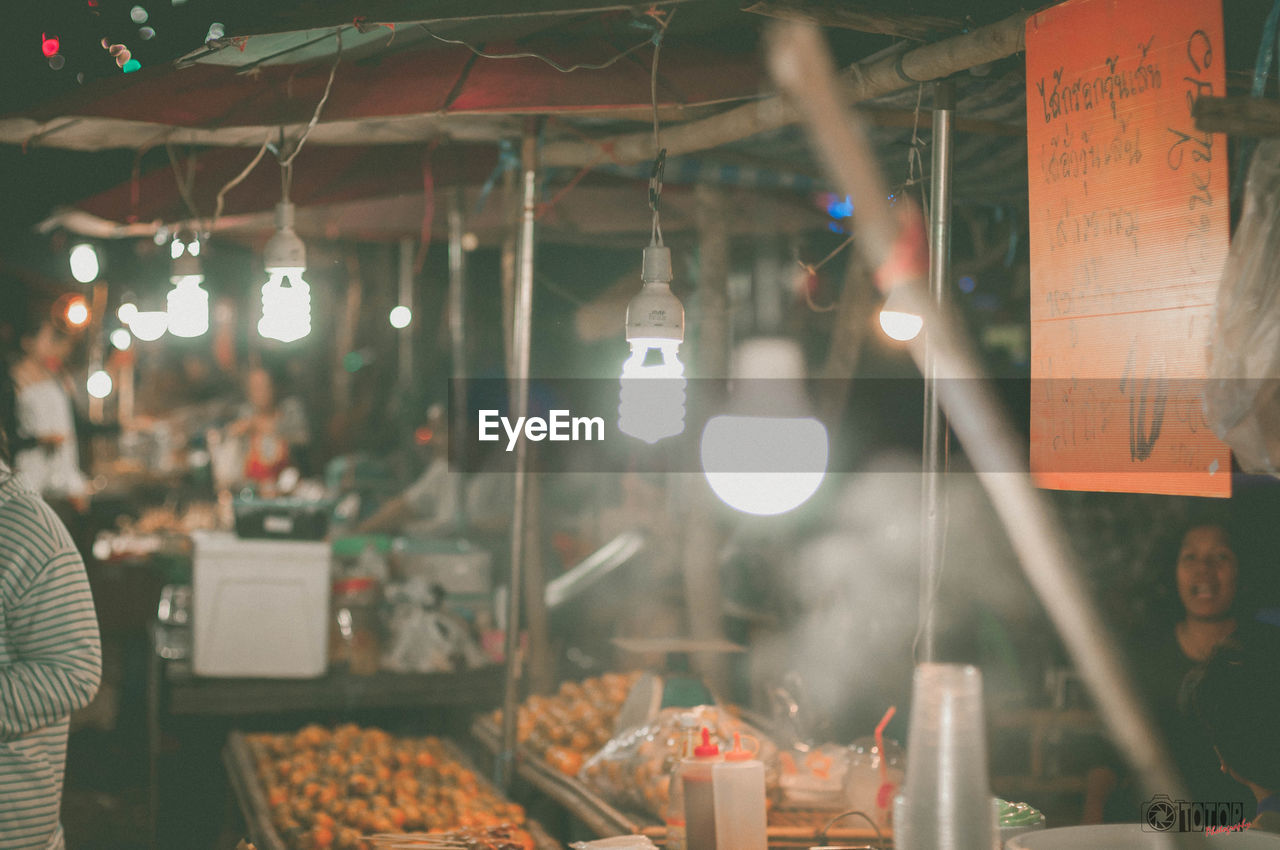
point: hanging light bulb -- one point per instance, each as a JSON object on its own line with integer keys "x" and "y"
{"x": 127, "y": 311}
{"x": 149, "y": 325}
{"x": 400, "y": 317}
{"x": 896, "y": 320}
{"x": 768, "y": 455}
{"x": 99, "y": 384}
{"x": 84, "y": 263}
{"x": 121, "y": 339}
{"x": 188, "y": 304}
{"x": 651, "y": 404}
{"x": 76, "y": 311}
{"x": 286, "y": 297}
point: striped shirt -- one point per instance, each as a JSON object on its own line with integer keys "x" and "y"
{"x": 50, "y": 663}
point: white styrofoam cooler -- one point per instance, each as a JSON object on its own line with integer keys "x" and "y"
{"x": 260, "y": 607}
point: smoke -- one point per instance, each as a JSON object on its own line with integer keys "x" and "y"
{"x": 857, "y": 586}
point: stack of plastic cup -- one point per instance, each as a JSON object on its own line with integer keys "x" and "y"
{"x": 945, "y": 802}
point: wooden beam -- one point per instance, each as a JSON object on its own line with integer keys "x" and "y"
{"x": 1237, "y": 115}
{"x": 252, "y": 17}
{"x": 853, "y": 16}
{"x": 860, "y": 82}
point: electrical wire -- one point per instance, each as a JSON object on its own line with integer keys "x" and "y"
{"x": 184, "y": 183}
{"x": 580, "y": 66}
{"x": 850, "y": 813}
{"x": 660, "y": 153}
{"x": 324, "y": 98}
{"x": 237, "y": 180}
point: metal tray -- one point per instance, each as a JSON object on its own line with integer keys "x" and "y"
{"x": 238, "y": 759}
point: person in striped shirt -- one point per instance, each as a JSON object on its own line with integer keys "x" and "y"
{"x": 50, "y": 661}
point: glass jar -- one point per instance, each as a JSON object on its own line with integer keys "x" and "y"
{"x": 355, "y": 644}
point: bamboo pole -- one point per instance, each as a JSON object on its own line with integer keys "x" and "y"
{"x": 859, "y": 82}
{"x": 802, "y": 66}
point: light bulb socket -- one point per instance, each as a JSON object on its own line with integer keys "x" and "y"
{"x": 185, "y": 265}
{"x": 655, "y": 312}
{"x": 285, "y": 250}
{"x": 656, "y": 267}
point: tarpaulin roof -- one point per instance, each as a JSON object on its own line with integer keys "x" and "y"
{"x": 385, "y": 99}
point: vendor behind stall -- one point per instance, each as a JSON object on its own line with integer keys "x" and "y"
{"x": 47, "y": 454}
{"x": 270, "y": 435}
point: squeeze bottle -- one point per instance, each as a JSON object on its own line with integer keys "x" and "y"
{"x": 699, "y": 799}
{"x": 739, "y": 795}
{"x": 673, "y": 815}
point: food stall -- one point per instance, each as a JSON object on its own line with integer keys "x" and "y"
{"x": 450, "y": 219}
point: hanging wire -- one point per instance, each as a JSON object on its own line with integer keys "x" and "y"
{"x": 184, "y": 181}
{"x": 660, "y": 153}
{"x": 315, "y": 117}
{"x": 915, "y": 162}
{"x": 237, "y": 180}
{"x": 581, "y": 66}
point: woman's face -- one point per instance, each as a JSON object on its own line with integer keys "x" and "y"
{"x": 1207, "y": 569}
{"x": 48, "y": 347}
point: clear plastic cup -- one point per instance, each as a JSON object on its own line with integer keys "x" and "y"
{"x": 945, "y": 802}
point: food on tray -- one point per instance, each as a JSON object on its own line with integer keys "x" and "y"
{"x": 568, "y": 728}
{"x": 329, "y": 788}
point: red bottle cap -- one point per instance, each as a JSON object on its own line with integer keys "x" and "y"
{"x": 706, "y": 749}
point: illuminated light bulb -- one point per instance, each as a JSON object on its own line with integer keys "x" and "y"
{"x": 401, "y": 316}
{"x": 77, "y": 312}
{"x": 767, "y": 455}
{"x": 898, "y": 322}
{"x": 286, "y": 297}
{"x": 188, "y": 304}
{"x": 651, "y": 397}
{"x": 651, "y": 406}
{"x": 149, "y": 325}
{"x": 84, "y": 263}
{"x": 99, "y": 384}
{"x": 126, "y": 311}
{"x": 121, "y": 339}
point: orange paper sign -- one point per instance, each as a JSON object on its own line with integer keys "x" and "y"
{"x": 1129, "y": 230}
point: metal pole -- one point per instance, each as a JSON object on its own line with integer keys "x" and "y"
{"x": 933, "y": 493}
{"x": 406, "y": 300}
{"x": 522, "y": 334}
{"x": 458, "y": 344}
